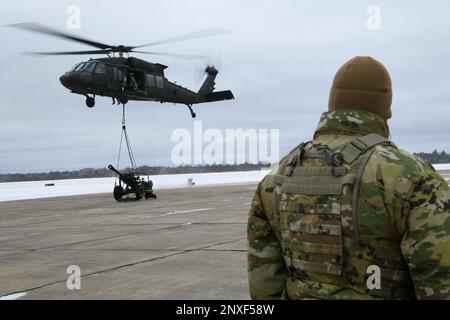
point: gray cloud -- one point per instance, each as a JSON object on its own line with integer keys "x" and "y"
{"x": 279, "y": 63}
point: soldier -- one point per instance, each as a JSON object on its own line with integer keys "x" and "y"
{"x": 349, "y": 215}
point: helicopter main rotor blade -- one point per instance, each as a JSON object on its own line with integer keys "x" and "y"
{"x": 174, "y": 55}
{"x": 57, "y": 53}
{"x": 35, "y": 27}
{"x": 189, "y": 36}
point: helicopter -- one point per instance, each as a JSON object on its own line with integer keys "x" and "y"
{"x": 124, "y": 78}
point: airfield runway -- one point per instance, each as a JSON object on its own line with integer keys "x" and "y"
{"x": 188, "y": 244}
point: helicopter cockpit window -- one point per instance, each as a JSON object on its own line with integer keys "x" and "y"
{"x": 100, "y": 68}
{"x": 78, "y": 66}
{"x": 90, "y": 66}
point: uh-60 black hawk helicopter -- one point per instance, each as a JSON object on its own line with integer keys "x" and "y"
{"x": 129, "y": 78}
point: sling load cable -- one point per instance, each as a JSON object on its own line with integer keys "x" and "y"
{"x": 124, "y": 133}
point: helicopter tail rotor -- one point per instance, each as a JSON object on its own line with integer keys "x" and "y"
{"x": 213, "y": 61}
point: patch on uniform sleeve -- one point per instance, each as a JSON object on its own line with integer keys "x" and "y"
{"x": 269, "y": 190}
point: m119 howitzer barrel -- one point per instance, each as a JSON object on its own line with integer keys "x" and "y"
{"x": 110, "y": 167}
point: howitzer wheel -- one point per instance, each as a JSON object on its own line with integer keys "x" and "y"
{"x": 140, "y": 193}
{"x": 118, "y": 193}
{"x": 150, "y": 194}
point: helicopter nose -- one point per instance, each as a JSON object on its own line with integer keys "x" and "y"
{"x": 64, "y": 79}
{"x": 68, "y": 80}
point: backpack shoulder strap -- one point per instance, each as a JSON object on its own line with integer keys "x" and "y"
{"x": 355, "y": 148}
{"x": 360, "y": 145}
{"x": 294, "y": 158}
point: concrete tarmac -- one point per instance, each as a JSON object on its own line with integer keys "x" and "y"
{"x": 188, "y": 244}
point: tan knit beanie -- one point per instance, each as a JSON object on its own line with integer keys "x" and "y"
{"x": 362, "y": 83}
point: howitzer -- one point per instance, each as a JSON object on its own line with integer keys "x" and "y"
{"x": 130, "y": 183}
{"x": 111, "y": 167}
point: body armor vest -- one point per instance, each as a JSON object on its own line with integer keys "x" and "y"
{"x": 317, "y": 208}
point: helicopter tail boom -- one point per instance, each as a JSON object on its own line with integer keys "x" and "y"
{"x": 208, "y": 85}
{"x": 219, "y": 96}
{"x": 206, "y": 91}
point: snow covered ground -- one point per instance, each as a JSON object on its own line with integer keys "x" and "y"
{"x": 440, "y": 167}
{"x": 71, "y": 187}
{"x": 37, "y": 189}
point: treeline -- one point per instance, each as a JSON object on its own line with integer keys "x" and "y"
{"x": 143, "y": 170}
{"x": 435, "y": 156}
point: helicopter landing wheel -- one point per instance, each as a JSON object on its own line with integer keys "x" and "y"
{"x": 193, "y": 115}
{"x": 90, "y": 102}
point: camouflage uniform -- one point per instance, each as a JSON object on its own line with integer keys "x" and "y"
{"x": 403, "y": 222}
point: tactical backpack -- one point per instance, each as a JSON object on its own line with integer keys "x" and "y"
{"x": 317, "y": 208}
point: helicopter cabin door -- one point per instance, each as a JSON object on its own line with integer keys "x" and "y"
{"x": 136, "y": 82}
{"x": 117, "y": 77}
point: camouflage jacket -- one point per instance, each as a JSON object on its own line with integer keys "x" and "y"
{"x": 401, "y": 199}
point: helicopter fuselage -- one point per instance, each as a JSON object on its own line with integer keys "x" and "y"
{"x": 131, "y": 77}
{"x": 125, "y": 79}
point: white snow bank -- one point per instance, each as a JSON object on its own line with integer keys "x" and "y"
{"x": 37, "y": 189}
{"x": 442, "y": 166}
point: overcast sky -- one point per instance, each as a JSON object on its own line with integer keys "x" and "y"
{"x": 279, "y": 63}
